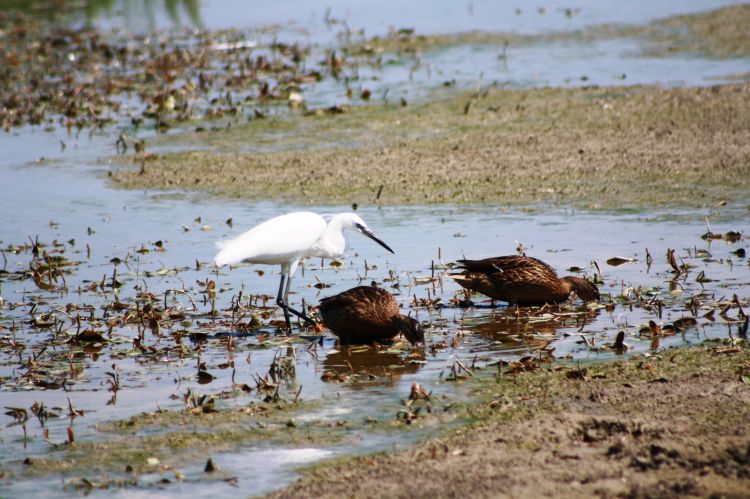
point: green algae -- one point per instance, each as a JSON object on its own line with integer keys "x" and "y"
{"x": 174, "y": 438}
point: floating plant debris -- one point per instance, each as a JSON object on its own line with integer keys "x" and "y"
{"x": 616, "y": 261}
{"x": 193, "y": 341}
{"x": 79, "y": 78}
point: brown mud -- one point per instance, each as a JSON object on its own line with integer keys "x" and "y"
{"x": 666, "y": 425}
{"x": 718, "y": 33}
{"x": 624, "y": 147}
{"x": 671, "y": 425}
{"x": 620, "y": 147}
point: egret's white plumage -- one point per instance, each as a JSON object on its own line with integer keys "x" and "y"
{"x": 287, "y": 239}
{"x": 278, "y": 241}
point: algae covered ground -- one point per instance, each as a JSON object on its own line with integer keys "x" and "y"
{"x": 589, "y": 147}
{"x": 625, "y": 147}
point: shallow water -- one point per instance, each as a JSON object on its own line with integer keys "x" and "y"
{"x": 63, "y": 196}
{"x": 391, "y": 77}
{"x": 376, "y": 17}
{"x": 57, "y": 194}
{"x": 124, "y": 222}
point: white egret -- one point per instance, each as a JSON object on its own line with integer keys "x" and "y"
{"x": 286, "y": 239}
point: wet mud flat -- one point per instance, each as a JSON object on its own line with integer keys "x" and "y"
{"x": 589, "y": 147}
{"x": 622, "y": 147}
{"x": 88, "y": 77}
{"x": 718, "y": 34}
{"x": 132, "y": 369}
{"x": 131, "y": 363}
{"x": 670, "y": 425}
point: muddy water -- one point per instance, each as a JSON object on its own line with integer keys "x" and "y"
{"x": 165, "y": 242}
{"x": 377, "y": 17}
{"x": 573, "y": 63}
{"x": 159, "y": 237}
{"x": 574, "y": 60}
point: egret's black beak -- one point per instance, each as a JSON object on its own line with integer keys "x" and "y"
{"x": 364, "y": 230}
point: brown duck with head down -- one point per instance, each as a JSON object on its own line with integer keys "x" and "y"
{"x": 521, "y": 280}
{"x": 367, "y": 314}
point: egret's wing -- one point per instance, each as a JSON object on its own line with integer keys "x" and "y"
{"x": 275, "y": 241}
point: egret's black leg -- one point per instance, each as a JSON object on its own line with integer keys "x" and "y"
{"x": 282, "y": 300}
{"x": 299, "y": 314}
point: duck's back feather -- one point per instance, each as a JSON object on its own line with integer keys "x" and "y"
{"x": 516, "y": 279}
{"x": 361, "y": 315}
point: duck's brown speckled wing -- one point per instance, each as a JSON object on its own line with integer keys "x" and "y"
{"x": 516, "y": 279}
{"x": 366, "y": 301}
{"x": 360, "y": 315}
{"x": 509, "y": 264}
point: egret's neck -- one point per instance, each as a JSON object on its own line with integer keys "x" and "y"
{"x": 332, "y": 244}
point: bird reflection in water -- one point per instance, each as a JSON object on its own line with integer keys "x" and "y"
{"x": 368, "y": 364}
{"x": 530, "y": 329}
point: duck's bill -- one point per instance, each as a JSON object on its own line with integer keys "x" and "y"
{"x": 375, "y": 238}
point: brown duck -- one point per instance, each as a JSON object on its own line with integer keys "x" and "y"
{"x": 521, "y": 280}
{"x": 367, "y": 314}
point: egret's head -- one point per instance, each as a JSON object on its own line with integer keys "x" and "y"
{"x": 355, "y": 222}
{"x": 348, "y": 220}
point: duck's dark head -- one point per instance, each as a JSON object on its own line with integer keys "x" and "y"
{"x": 584, "y": 289}
{"x": 411, "y": 329}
